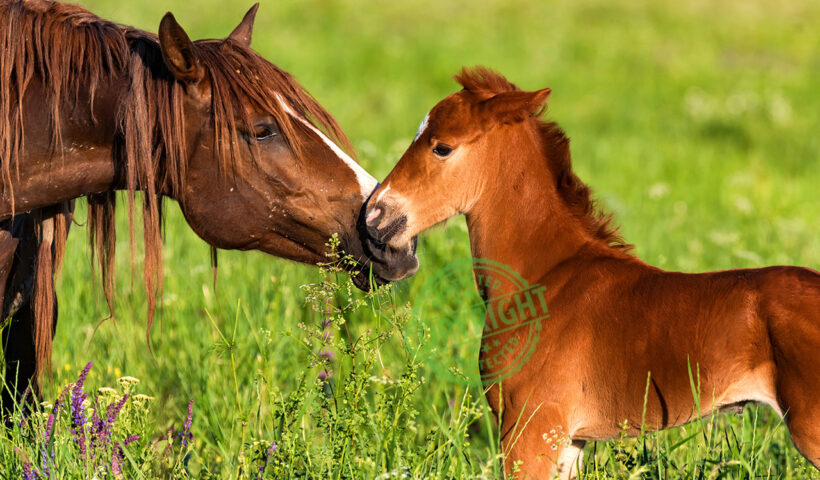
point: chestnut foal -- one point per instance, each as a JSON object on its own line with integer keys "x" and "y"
{"x": 619, "y": 330}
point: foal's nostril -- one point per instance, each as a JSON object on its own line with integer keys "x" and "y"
{"x": 373, "y": 217}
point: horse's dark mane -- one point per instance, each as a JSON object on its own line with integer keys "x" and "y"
{"x": 575, "y": 194}
{"x": 75, "y": 52}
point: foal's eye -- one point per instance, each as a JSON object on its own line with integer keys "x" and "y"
{"x": 264, "y": 131}
{"x": 442, "y": 150}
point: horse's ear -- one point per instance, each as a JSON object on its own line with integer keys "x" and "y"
{"x": 178, "y": 51}
{"x": 243, "y": 32}
{"x": 511, "y": 107}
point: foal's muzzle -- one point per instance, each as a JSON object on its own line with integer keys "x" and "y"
{"x": 388, "y": 263}
{"x": 380, "y": 227}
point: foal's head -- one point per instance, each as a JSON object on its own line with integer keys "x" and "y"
{"x": 259, "y": 174}
{"x": 463, "y": 146}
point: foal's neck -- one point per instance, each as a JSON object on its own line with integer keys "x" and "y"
{"x": 520, "y": 219}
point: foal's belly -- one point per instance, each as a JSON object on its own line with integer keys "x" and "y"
{"x": 663, "y": 379}
{"x": 602, "y": 415}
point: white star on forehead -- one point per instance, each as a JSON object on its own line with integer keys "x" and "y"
{"x": 422, "y": 126}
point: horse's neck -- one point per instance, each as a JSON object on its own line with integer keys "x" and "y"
{"x": 82, "y": 163}
{"x": 523, "y": 224}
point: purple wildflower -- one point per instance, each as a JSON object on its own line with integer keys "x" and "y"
{"x": 115, "y": 408}
{"x": 28, "y": 473}
{"x": 78, "y": 419}
{"x": 185, "y": 434}
{"x": 104, "y": 430}
{"x": 97, "y": 426}
{"x": 324, "y": 375}
{"x": 49, "y": 428}
{"x": 46, "y": 452}
{"x": 44, "y": 465}
{"x": 58, "y": 404}
{"x": 130, "y": 439}
{"x": 327, "y": 354}
{"x": 268, "y": 454}
{"x": 117, "y": 461}
{"x": 101, "y": 428}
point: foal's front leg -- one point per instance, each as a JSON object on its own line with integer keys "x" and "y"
{"x": 543, "y": 450}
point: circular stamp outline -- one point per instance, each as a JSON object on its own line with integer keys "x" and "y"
{"x": 448, "y": 276}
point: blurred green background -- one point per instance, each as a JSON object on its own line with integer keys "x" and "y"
{"x": 695, "y": 122}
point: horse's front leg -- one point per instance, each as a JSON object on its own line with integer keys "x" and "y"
{"x": 18, "y": 333}
{"x": 8, "y": 245}
{"x": 37, "y": 237}
{"x": 20, "y": 358}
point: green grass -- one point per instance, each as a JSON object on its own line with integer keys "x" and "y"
{"x": 695, "y": 123}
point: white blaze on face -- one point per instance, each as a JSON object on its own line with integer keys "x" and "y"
{"x": 422, "y": 127}
{"x": 366, "y": 181}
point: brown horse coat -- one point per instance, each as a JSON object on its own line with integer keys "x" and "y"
{"x": 89, "y": 107}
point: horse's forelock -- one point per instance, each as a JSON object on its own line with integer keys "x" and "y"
{"x": 240, "y": 76}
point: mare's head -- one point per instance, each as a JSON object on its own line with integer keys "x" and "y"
{"x": 257, "y": 170}
{"x": 463, "y": 146}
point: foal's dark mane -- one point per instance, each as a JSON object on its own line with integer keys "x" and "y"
{"x": 575, "y": 194}
{"x": 76, "y": 53}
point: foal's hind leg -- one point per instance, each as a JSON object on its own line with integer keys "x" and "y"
{"x": 798, "y": 401}
{"x": 794, "y": 323}
{"x": 805, "y": 433}
{"x": 798, "y": 389}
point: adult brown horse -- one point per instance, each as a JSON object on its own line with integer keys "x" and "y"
{"x": 614, "y": 321}
{"x": 89, "y": 107}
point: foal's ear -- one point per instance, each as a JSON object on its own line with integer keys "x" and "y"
{"x": 242, "y": 33}
{"x": 178, "y": 51}
{"x": 512, "y": 107}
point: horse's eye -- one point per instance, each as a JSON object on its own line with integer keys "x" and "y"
{"x": 264, "y": 132}
{"x": 442, "y": 150}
